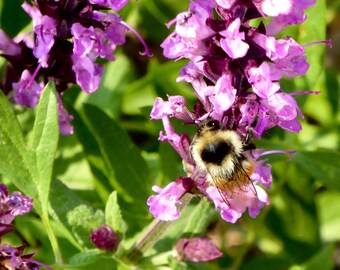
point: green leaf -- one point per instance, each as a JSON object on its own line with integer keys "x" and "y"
{"x": 1, "y": 6}
{"x": 266, "y": 263}
{"x": 329, "y": 214}
{"x": 8, "y": 24}
{"x": 113, "y": 215}
{"x": 199, "y": 219}
{"x": 193, "y": 221}
{"x": 314, "y": 29}
{"x": 16, "y": 161}
{"x": 45, "y": 140}
{"x": 170, "y": 162}
{"x": 116, "y": 78}
{"x": 323, "y": 165}
{"x": 73, "y": 213}
{"x": 127, "y": 169}
{"x": 93, "y": 155}
{"x": 300, "y": 241}
{"x": 134, "y": 212}
{"x": 322, "y": 260}
{"x": 177, "y": 265}
{"x": 92, "y": 259}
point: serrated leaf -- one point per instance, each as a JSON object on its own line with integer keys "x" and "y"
{"x": 127, "y": 169}
{"x": 45, "y": 140}
{"x": 16, "y": 161}
{"x": 76, "y": 215}
{"x": 113, "y": 215}
{"x": 199, "y": 219}
{"x": 323, "y": 165}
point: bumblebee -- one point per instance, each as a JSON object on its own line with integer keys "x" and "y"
{"x": 220, "y": 154}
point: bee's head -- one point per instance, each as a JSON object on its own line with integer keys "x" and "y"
{"x": 209, "y": 125}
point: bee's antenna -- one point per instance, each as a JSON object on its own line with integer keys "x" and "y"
{"x": 190, "y": 114}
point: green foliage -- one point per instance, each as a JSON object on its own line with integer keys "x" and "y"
{"x": 30, "y": 167}
{"x": 104, "y": 172}
{"x": 113, "y": 214}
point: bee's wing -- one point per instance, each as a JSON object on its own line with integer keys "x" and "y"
{"x": 238, "y": 183}
{"x": 241, "y": 177}
{"x": 222, "y": 188}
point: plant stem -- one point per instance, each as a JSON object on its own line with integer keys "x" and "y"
{"x": 157, "y": 228}
{"x": 53, "y": 239}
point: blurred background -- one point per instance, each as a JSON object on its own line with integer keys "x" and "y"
{"x": 300, "y": 229}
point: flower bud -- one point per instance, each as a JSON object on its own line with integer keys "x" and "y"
{"x": 197, "y": 249}
{"x": 105, "y": 238}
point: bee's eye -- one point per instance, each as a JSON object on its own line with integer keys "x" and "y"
{"x": 213, "y": 125}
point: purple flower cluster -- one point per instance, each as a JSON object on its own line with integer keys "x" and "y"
{"x": 68, "y": 38}
{"x": 12, "y": 205}
{"x": 235, "y": 70}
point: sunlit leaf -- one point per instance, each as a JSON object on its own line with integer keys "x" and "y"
{"x": 113, "y": 215}
{"x": 73, "y": 213}
{"x": 199, "y": 220}
{"x": 45, "y": 140}
{"x": 329, "y": 213}
{"x": 16, "y": 161}
{"x": 93, "y": 155}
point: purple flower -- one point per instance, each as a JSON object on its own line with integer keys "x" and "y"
{"x": 8, "y": 46}
{"x": 12, "y": 206}
{"x": 69, "y": 39}
{"x": 14, "y": 258}
{"x": 163, "y": 206}
{"x": 223, "y": 97}
{"x": 292, "y": 15}
{"x": 88, "y": 74}
{"x": 233, "y": 43}
{"x": 263, "y": 174}
{"x": 27, "y": 90}
{"x": 261, "y": 81}
{"x": 274, "y": 8}
{"x": 105, "y": 238}
{"x": 115, "y": 5}
{"x": 175, "y": 107}
{"x": 234, "y": 69}
{"x": 64, "y": 119}
{"x": 284, "y": 107}
{"x": 197, "y": 249}
{"x": 237, "y": 205}
{"x": 45, "y": 33}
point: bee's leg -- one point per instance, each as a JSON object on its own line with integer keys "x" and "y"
{"x": 248, "y": 141}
